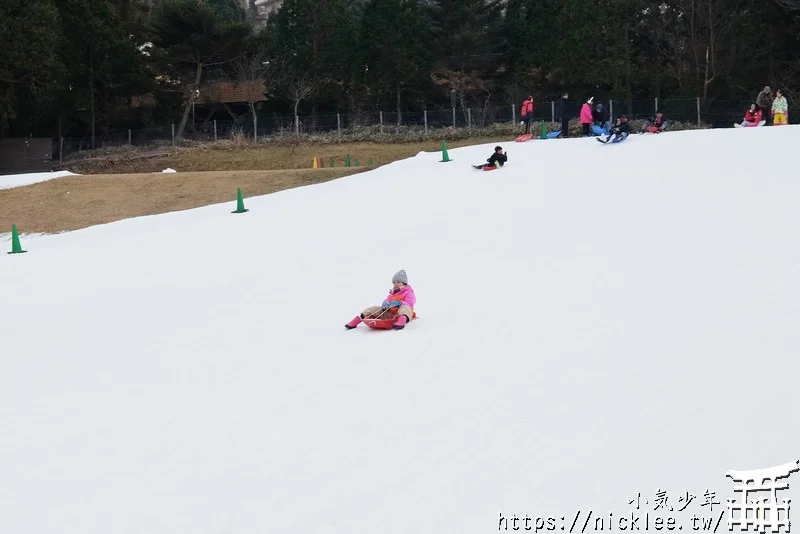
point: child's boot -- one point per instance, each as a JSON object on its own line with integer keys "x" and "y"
{"x": 400, "y": 323}
{"x": 354, "y": 322}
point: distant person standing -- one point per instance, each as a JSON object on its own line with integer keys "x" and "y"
{"x": 764, "y": 102}
{"x": 780, "y": 109}
{"x": 586, "y": 116}
{"x": 562, "y": 114}
{"x": 526, "y": 113}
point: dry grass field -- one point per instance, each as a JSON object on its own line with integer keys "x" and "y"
{"x": 119, "y": 184}
{"x": 76, "y": 202}
{"x": 223, "y": 157}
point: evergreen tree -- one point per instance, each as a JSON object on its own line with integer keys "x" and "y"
{"x": 396, "y": 50}
{"x": 30, "y": 70}
{"x": 192, "y": 36}
{"x": 101, "y": 56}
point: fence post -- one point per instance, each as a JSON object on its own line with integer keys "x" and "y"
{"x": 553, "y": 111}
{"x": 454, "y": 116}
{"x": 469, "y": 120}
{"x": 173, "y": 134}
{"x": 380, "y": 118}
{"x": 698, "y": 111}
{"x": 611, "y": 110}
{"x": 215, "y": 130}
{"x": 61, "y": 152}
{"x": 339, "y": 123}
{"x": 655, "y": 110}
{"x": 129, "y": 136}
{"x": 513, "y": 114}
{"x": 297, "y": 125}
{"x": 255, "y": 129}
{"x": 425, "y": 119}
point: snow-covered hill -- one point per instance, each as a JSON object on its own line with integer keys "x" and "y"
{"x": 595, "y": 322}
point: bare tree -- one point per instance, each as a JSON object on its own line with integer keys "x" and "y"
{"x": 470, "y": 86}
{"x": 250, "y": 69}
{"x": 297, "y": 87}
{"x": 710, "y": 24}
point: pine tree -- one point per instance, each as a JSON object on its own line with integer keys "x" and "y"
{"x": 192, "y": 36}
{"x": 30, "y": 71}
{"x": 396, "y": 46}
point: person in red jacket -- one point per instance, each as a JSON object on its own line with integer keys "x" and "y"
{"x": 752, "y": 117}
{"x": 526, "y": 113}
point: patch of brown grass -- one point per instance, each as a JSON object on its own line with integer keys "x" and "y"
{"x": 77, "y": 202}
{"x": 224, "y": 157}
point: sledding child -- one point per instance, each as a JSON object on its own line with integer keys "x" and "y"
{"x": 399, "y": 303}
{"x": 752, "y": 117}
{"x": 586, "y": 116}
{"x": 655, "y": 124}
{"x": 600, "y": 116}
{"x": 620, "y": 130}
{"x": 780, "y": 109}
{"x": 497, "y": 159}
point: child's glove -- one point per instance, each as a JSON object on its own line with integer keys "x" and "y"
{"x": 395, "y": 304}
{"x": 385, "y": 304}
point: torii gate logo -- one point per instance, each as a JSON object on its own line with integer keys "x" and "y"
{"x": 764, "y": 512}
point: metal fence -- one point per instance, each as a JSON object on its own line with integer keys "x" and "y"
{"x": 27, "y": 154}
{"x": 710, "y": 113}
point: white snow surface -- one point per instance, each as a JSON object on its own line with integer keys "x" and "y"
{"x": 594, "y": 321}
{"x": 10, "y": 181}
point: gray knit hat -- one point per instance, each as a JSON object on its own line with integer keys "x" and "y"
{"x": 400, "y": 276}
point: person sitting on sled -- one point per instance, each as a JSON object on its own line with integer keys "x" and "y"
{"x": 752, "y": 117}
{"x": 497, "y": 159}
{"x": 600, "y": 116}
{"x": 658, "y": 122}
{"x": 620, "y": 129}
{"x": 399, "y": 303}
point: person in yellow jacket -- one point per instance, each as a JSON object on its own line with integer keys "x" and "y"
{"x": 780, "y": 109}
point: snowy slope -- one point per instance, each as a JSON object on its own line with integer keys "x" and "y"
{"x": 10, "y": 181}
{"x": 595, "y": 321}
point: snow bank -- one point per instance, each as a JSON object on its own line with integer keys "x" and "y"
{"x": 9, "y": 181}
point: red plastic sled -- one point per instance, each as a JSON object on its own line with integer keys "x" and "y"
{"x": 384, "y": 324}
{"x": 653, "y": 129}
{"x": 490, "y": 168}
{"x": 524, "y": 137}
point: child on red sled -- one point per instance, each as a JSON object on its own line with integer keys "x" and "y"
{"x": 399, "y": 303}
{"x": 495, "y": 160}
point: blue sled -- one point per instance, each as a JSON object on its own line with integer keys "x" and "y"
{"x": 598, "y": 130}
{"x": 552, "y": 135}
{"x": 613, "y": 140}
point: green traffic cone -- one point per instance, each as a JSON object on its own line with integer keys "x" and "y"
{"x": 16, "y": 247}
{"x": 347, "y": 160}
{"x": 239, "y": 202}
{"x": 332, "y": 162}
{"x": 370, "y": 162}
{"x": 445, "y": 156}
{"x": 542, "y": 131}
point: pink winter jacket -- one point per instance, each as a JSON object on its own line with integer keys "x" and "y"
{"x": 405, "y": 295}
{"x": 586, "y": 114}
